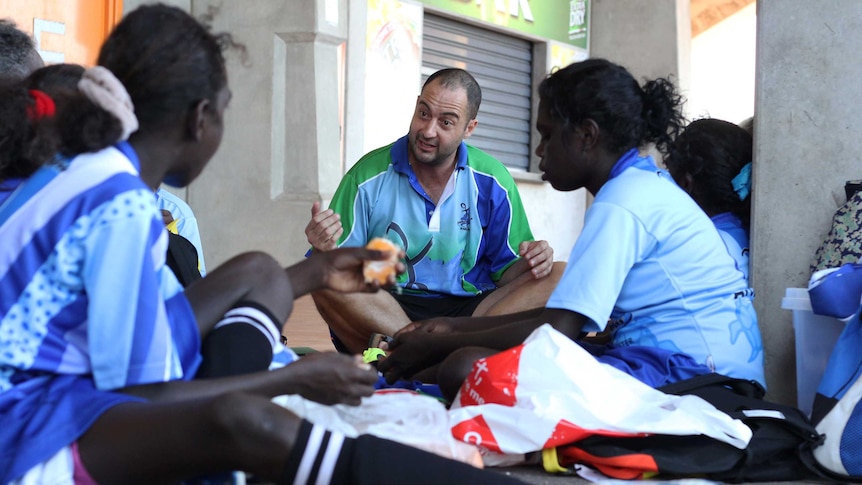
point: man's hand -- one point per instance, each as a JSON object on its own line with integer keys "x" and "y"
{"x": 539, "y": 255}
{"x": 324, "y": 228}
{"x": 331, "y": 378}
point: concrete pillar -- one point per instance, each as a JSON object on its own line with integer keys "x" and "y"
{"x": 282, "y": 141}
{"x": 651, "y": 38}
{"x": 807, "y": 130}
{"x": 282, "y": 144}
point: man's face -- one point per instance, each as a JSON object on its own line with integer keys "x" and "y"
{"x": 440, "y": 122}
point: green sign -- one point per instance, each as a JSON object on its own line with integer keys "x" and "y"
{"x": 561, "y": 20}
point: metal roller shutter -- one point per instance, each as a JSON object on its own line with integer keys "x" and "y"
{"x": 503, "y": 67}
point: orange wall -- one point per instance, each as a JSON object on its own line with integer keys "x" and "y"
{"x": 65, "y": 30}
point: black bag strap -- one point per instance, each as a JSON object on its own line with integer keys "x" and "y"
{"x": 743, "y": 387}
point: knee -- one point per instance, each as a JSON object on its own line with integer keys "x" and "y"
{"x": 264, "y": 278}
{"x": 256, "y": 265}
{"x": 243, "y": 419}
{"x": 557, "y": 271}
{"x": 456, "y": 367}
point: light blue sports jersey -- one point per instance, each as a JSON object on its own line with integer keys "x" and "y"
{"x": 735, "y": 237}
{"x": 87, "y": 306}
{"x": 186, "y": 222}
{"x": 460, "y": 246}
{"x": 650, "y": 261}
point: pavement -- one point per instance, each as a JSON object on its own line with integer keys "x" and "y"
{"x": 534, "y": 475}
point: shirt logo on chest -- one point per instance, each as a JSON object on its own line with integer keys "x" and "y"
{"x": 464, "y": 222}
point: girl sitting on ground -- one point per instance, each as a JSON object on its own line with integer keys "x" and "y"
{"x": 711, "y": 160}
{"x": 100, "y": 346}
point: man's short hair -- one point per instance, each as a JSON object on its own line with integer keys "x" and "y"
{"x": 16, "y": 49}
{"x": 454, "y": 78}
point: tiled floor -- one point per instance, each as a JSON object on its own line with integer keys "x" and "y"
{"x": 306, "y": 328}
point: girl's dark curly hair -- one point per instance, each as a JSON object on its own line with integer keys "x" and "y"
{"x": 712, "y": 152}
{"x": 630, "y": 116}
{"x": 167, "y": 60}
{"x": 78, "y": 126}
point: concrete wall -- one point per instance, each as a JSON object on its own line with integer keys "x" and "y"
{"x": 651, "y": 38}
{"x": 807, "y": 127}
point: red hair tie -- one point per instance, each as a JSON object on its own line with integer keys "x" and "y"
{"x": 43, "y": 105}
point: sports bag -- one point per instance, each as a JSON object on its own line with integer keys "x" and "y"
{"x": 779, "y": 449}
{"x": 837, "y": 408}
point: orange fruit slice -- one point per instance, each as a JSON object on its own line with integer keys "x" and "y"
{"x": 380, "y": 271}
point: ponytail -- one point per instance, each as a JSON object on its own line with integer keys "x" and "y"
{"x": 662, "y": 113}
{"x": 630, "y": 116}
{"x": 83, "y": 127}
{"x": 60, "y": 109}
{"x": 27, "y": 135}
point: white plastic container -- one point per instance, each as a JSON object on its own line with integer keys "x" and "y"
{"x": 815, "y": 337}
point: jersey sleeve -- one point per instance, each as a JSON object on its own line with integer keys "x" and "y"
{"x": 611, "y": 242}
{"x": 508, "y": 226}
{"x": 129, "y": 338}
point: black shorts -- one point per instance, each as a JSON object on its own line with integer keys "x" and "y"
{"x": 425, "y": 307}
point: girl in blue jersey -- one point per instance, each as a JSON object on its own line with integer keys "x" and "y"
{"x": 649, "y": 266}
{"x": 711, "y": 160}
{"x": 100, "y": 347}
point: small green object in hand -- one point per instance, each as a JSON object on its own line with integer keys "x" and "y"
{"x": 369, "y": 356}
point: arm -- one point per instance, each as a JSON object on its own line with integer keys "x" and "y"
{"x": 414, "y": 351}
{"x": 466, "y": 324}
{"x": 258, "y": 277}
{"x": 339, "y": 270}
{"x": 327, "y": 378}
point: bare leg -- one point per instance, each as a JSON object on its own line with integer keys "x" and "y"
{"x": 455, "y": 369}
{"x": 253, "y": 277}
{"x": 158, "y": 443}
{"x": 524, "y": 293}
{"x": 163, "y": 443}
{"x": 354, "y": 317}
